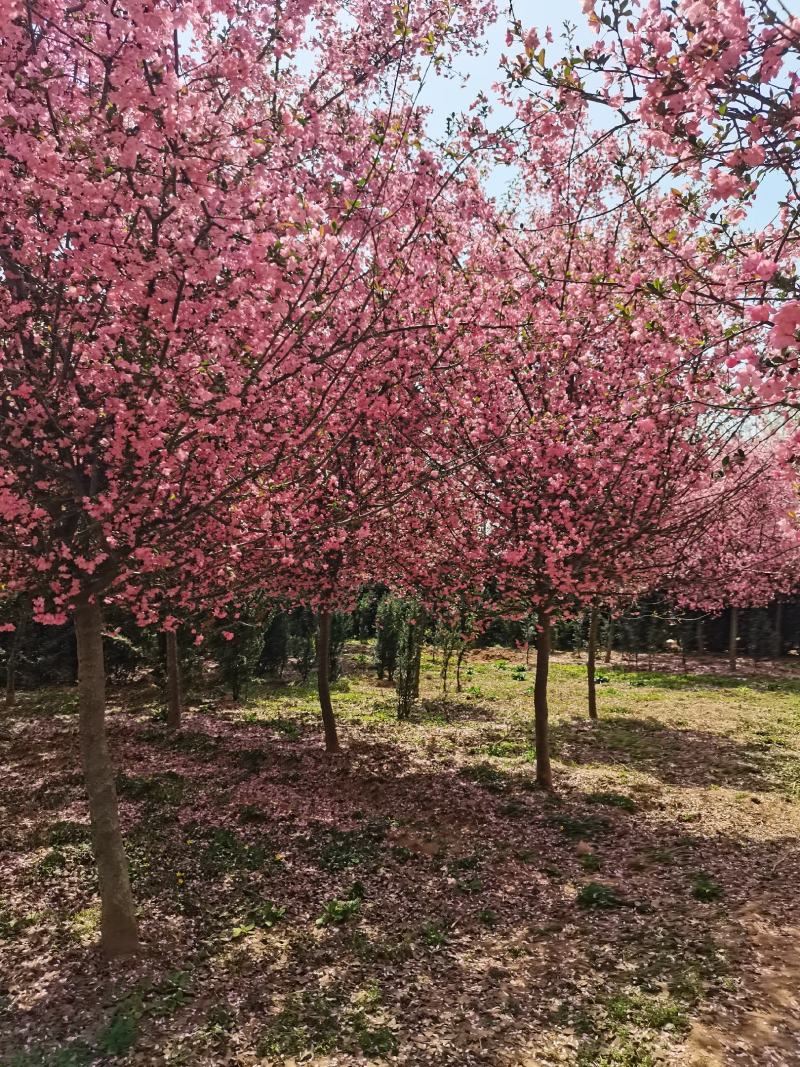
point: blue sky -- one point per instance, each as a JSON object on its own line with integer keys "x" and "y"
{"x": 445, "y": 95}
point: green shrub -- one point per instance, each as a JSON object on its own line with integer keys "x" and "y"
{"x": 704, "y": 888}
{"x": 338, "y": 912}
{"x": 598, "y": 895}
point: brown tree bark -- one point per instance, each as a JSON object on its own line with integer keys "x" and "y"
{"x": 544, "y": 774}
{"x": 591, "y": 661}
{"x": 459, "y": 663}
{"x": 324, "y": 681}
{"x": 733, "y": 636}
{"x": 118, "y": 927}
{"x": 23, "y": 614}
{"x": 174, "y": 687}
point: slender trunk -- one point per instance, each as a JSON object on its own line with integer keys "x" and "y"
{"x": 459, "y": 661}
{"x": 417, "y": 664}
{"x": 324, "y": 681}
{"x": 544, "y": 774}
{"x": 118, "y": 928}
{"x": 446, "y": 654}
{"x": 174, "y": 688}
{"x": 778, "y": 643}
{"x": 609, "y": 639}
{"x": 23, "y": 615}
{"x": 701, "y": 637}
{"x": 590, "y": 664}
{"x": 733, "y": 635}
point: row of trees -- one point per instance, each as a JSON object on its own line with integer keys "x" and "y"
{"x": 281, "y": 645}
{"x": 263, "y": 338}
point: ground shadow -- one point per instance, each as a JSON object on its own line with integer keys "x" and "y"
{"x": 674, "y": 756}
{"x": 476, "y": 919}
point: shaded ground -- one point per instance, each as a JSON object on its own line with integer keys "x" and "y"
{"x": 416, "y": 900}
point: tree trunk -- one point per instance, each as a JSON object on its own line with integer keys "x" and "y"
{"x": 701, "y": 637}
{"x": 174, "y": 688}
{"x": 324, "y": 681}
{"x": 23, "y": 615}
{"x": 733, "y": 635}
{"x": 609, "y": 639}
{"x": 416, "y": 667}
{"x": 459, "y": 661}
{"x": 446, "y": 656}
{"x": 118, "y": 928}
{"x": 778, "y": 641}
{"x": 544, "y": 774}
{"x": 590, "y": 664}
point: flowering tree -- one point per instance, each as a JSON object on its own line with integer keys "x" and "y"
{"x": 584, "y": 430}
{"x": 710, "y": 90}
{"x": 207, "y": 210}
{"x": 746, "y": 550}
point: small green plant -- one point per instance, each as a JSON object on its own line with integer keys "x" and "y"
{"x": 166, "y": 788}
{"x": 72, "y": 1055}
{"x": 261, "y": 917}
{"x": 10, "y": 924}
{"x": 509, "y": 748}
{"x": 352, "y": 848}
{"x": 287, "y": 728}
{"x": 590, "y": 862}
{"x": 486, "y": 776}
{"x": 121, "y": 1032}
{"x": 266, "y": 914}
{"x": 85, "y": 924}
{"x": 224, "y": 851}
{"x": 469, "y": 885}
{"x": 463, "y": 863}
{"x": 612, "y": 800}
{"x": 168, "y": 996}
{"x": 578, "y": 828}
{"x": 67, "y": 832}
{"x": 488, "y": 917}
{"x": 654, "y": 1013}
{"x": 310, "y": 1022}
{"x": 434, "y": 934}
{"x": 196, "y": 744}
{"x": 219, "y": 1021}
{"x": 598, "y": 895}
{"x": 376, "y": 1041}
{"x": 622, "y": 1052}
{"x": 705, "y": 889}
{"x": 338, "y": 912}
{"x": 58, "y": 860}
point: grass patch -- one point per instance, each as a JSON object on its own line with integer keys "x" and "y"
{"x": 224, "y": 852}
{"x": 705, "y": 889}
{"x": 578, "y": 828}
{"x": 612, "y": 800}
{"x": 157, "y": 789}
{"x": 338, "y": 912}
{"x": 598, "y": 895}
{"x": 353, "y": 848}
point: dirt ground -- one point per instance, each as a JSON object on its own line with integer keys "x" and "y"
{"x": 416, "y": 900}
